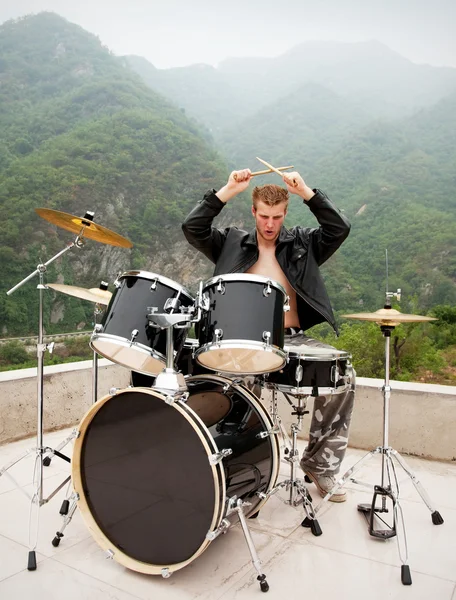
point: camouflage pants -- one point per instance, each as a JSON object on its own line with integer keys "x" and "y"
{"x": 328, "y": 434}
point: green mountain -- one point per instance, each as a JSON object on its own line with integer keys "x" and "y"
{"x": 80, "y": 131}
{"x": 375, "y": 131}
{"x": 367, "y": 74}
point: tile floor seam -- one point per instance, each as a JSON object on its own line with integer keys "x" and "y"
{"x": 374, "y": 560}
{"x": 52, "y": 558}
{"x": 22, "y": 570}
{"x": 453, "y": 597}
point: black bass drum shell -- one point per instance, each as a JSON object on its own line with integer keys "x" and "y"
{"x": 141, "y": 468}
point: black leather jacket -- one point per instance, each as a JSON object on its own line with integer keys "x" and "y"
{"x": 300, "y": 251}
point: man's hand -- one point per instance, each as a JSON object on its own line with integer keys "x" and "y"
{"x": 238, "y": 181}
{"x": 296, "y": 185}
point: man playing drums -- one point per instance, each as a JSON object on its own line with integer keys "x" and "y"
{"x": 292, "y": 258}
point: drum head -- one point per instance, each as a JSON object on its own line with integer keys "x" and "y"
{"x": 133, "y": 356}
{"x": 246, "y": 360}
{"x": 147, "y": 489}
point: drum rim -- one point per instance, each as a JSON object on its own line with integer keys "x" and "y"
{"x": 245, "y": 277}
{"x": 338, "y": 355}
{"x": 126, "y": 344}
{"x": 160, "y": 278}
{"x": 306, "y": 390}
{"x": 236, "y": 344}
{"x": 100, "y": 537}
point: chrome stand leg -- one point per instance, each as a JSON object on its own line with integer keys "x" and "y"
{"x": 239, "y": 508}
{"x": 67, "y": 511}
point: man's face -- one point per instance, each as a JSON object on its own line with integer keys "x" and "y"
{"x": 269, "y": 220}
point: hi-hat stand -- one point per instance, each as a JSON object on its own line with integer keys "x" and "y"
{"x": 387, "y": 493}
{"x": 298, "y": 493}
{"x": 38, "y": 499}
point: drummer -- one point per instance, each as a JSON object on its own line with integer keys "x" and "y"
{"x": 292, "y": 257}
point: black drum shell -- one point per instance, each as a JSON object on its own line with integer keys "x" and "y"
{"x": 128, "y": 310}
{"x": 243, "y": 312}
{"x": 135, "y": 451}
{"x": 316, "y": 373}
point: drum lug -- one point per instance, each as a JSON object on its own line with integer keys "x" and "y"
{"x": 98, "y": 328}
{"x": 165, "y": 573}
{"x": 153, "y": 285}
{"x": 117, "y": 283}
{"x": 267, "y": 338}
{"x": 109, "y": 554}
{"x": 205, "y": 302}
{"x": 218, "y": 335}
{"x": 335, "y": 375}
{"x": 299, "y": 373}
{"x": 222, "y": 528}
{"x": 265, "y": 434}
{"x": 113, "y": 391}
{"x": 214, "y": 459}
{"x": 221, "y": 288}
{"x": 267, "y": 289}
{"x": 286, "y": 306}
{"x": 134, "y": 334}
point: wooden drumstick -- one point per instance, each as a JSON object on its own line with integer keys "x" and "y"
{"x": 266, "y": 171}
{"x": 266, "y": 164}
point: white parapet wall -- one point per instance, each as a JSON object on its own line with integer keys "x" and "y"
{"x": 422, "y": 416}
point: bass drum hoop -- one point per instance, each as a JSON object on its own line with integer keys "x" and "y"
{"x": 217, "y": 471}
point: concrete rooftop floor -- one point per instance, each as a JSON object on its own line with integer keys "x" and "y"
{"x": 344, "y": 563}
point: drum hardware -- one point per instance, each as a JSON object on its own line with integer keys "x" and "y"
{"x": 134, "y": 335}
{"x": 221, "y": 287}
{"x": 169, "y": 381}
{"x": 298, "y": 493}
{"x": 387, "y": 318}
{"x": 267, "y": 338}
{"x": 215, "y": 459}
{"x": 218, "y": 335}
{"x": 237, "y": 505}
{"x": 267, "y": 290}
{"x": 83, "y": 228}
{"x": 165, "y": 573}
{"x": 153, "y": 285}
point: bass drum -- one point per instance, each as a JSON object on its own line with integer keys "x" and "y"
{"x": 144, "y": 470}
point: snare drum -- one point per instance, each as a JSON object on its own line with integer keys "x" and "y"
{"x": 125, "y": 335}
{"x": 151, "y": 485}
{"x": 313, "y": 371}
{"x": 242, "y": 324}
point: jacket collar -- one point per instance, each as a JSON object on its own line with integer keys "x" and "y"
{"x": 285, "y": 236}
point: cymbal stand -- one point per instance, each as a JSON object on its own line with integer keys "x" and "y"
{"x": 38, "y": 499}
{"x": 388, "y": 490}
{"x": 298, "y": 493}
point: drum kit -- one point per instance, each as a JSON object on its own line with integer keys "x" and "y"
{"x": 161, "y": 468}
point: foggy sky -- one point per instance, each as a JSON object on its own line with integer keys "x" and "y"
{"x": 172, "y": 33}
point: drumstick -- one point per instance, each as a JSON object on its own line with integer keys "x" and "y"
{"x": 274, "y": 169}
{"x": 266, "y": 171}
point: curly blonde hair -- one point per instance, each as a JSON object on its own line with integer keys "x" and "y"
{"x": 270, "y": 194}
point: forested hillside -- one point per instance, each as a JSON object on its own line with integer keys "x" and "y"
{"x": 79, "y": 131}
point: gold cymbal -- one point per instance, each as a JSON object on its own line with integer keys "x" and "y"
{"x": 92, "y": 294}
{"x": 92, "y": 230}
{"x": 389, "y": 316}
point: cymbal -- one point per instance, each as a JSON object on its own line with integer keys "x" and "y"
{"x": 92, "y": 294}
{"x": 389, "y": 316}
{"x": 92, "y": 230}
